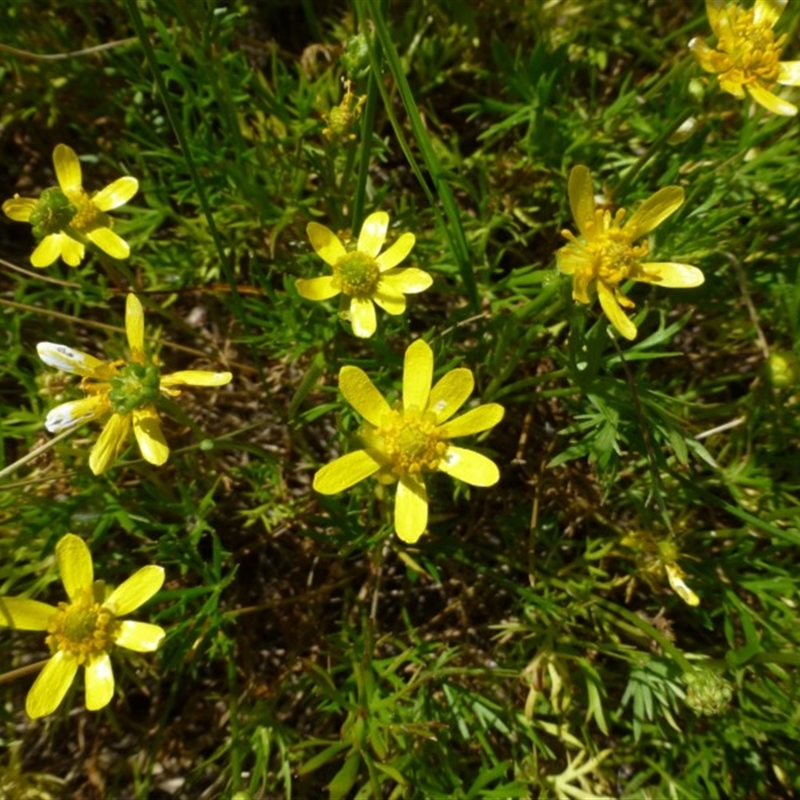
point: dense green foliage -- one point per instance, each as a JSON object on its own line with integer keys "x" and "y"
{"x": 530, "y": 644}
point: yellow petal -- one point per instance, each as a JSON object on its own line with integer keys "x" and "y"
{"x": 317, "y": 288}
{"x": 675, "y": 576}
{"x": 474, "y": 421}
{"x": 76, "y": 412}
{"x": 71, "y": 251}
{"x": 788, "y": 75}
{"x": 142, "y": 637}
{"x": 109, "y": 242}
{"x": 732, "y": 84}
{"x": 768, "y": 11}
{"x": 615, "y": 314}
{"x": 450, "y": 393}
{"x": 345, "y": 471}
{"x": 771, "y": 101}
{"x": 99, "y": 680}
{"x": 19, "y": 208}
{"x": 66, "y": 359}
{"x": 24, "y": 614}
{"x": 469, "y": 466}
{"x": 373, "y": 233}
{"x": 116, "y": 194}
{"x": 396, "y": 253}
{"x": 196, "y": 377}
{"x": 74, "y": 564}
{"x": 710, "y": 60}
{"x": 653, "y": 211}
{"x": 110, "y": 443}
{"x": 47, "y": 251}
{"x": 715, "y": 11}
{"x": 389, "y": 299}
{"x": 68, "y": 168}
{"x": 670, "y": 274}
{"x": 410, "y": 509}
{"x": 326, "y": 245}
{"x": 362, "y": 395}
{"x": 134, "y": 325}
{"x": 149, "y": 436}
{"x": 581, "y": 198}
{"x": 135, "y": 591}
{"x": 49, "y": 688}
{"x": 362, "y": 317}
{"x": 574, "y": 260}
{"x": 408, "y": 281}
{"x": 417, "y": 375}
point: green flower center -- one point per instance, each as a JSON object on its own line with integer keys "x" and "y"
{"x": 88, "y": 216}
{"x": 411, "y": 442}
{"x": 84, "y": 627}
{"x": 358, "y": 274}
{"x": 134, "y": 386}
{"x": 53, "y": 213}
{"x": 752, "y": 47}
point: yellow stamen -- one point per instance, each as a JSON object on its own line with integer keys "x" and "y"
{"x": 411, "y": 442}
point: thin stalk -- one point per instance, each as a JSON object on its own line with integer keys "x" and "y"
{"x": 174, "y": 119}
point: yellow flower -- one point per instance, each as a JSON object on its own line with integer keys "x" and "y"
{"x": 64, "y": 217}
{"x": 363, "y": 275}
{"x": 747, "y": 52}
{"x": 605, "y": 254}
{"x": 83, "y": 631}
{"x": 403, "y": 442}
{"x": 128, "y": 390}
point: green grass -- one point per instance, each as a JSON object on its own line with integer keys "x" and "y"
{"x": 530, "y": 644}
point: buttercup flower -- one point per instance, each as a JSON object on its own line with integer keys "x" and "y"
{"x": 362, "y": 275}
{"x": 83, "y": 631}
{"x": 65, "y": 217}
{"x": 747, "y": 52}
{"x": 605, "y": 254}
{"x": 404, "y": 441}
{"x": 127, "y": 390}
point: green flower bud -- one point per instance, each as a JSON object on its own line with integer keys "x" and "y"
{"x": 53, "y": 213}
{"x": 355, "y": 58}
{"x": 783, "y": 369}
{"x": 708, "y": 693}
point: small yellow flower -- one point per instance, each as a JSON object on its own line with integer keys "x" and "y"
{"x": 404, "y": 441}
{"x": 747, "y": 54}
{"x": 65, "y": 217}
{"x": 363, "y": 275}
{"x": 82, "y": 632}
{"x": 127, "y": 390}
{"x": 605, "y": 254}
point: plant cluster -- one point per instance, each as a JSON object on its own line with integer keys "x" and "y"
{"x": 444, "y": 508}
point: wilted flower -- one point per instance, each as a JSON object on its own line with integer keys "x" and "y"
{"x": 83, "y": 631}
{"x": 127, "y": 390}
{"x": 404, "y": 441}
{"x": 604, "y": 255}
{"x": 65, "y": 217}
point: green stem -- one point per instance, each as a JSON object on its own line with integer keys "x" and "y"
{"x": 141, "y": 32}
{"x": 36, "y": 452}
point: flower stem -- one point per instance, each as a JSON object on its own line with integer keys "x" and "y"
{"x": 21, "y": 672}
{"x": 36, "y": 452}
